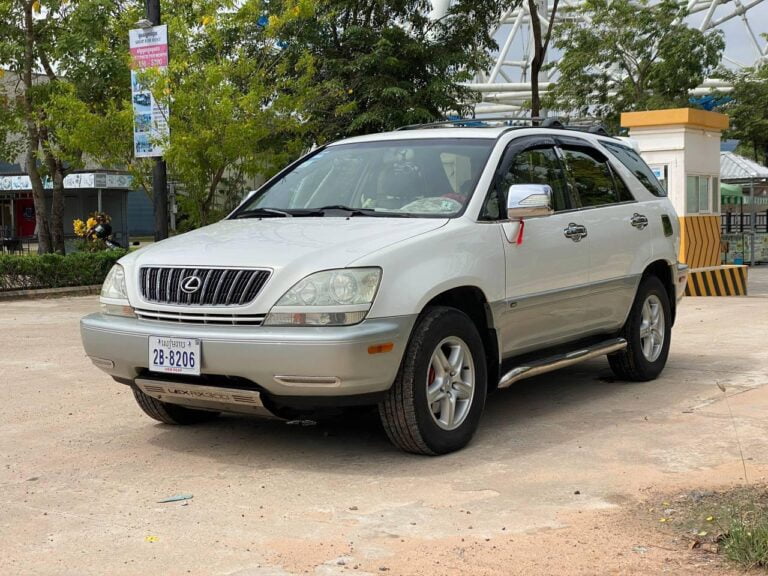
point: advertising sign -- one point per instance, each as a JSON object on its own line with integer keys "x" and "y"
{"x": 149, "y": 50}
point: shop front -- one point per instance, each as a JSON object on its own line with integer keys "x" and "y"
{"x": 84, "y": 193}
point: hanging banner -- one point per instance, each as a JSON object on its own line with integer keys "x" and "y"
{"x": 149, "y": 50}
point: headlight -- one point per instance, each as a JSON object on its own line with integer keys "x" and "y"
{"x": 114, "y": 296}
{"x": 330, "y": 298}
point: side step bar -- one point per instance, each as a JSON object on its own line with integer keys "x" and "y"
{"x": 561, "y": 361}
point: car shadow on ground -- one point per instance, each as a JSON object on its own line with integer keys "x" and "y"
{"x": 529, "y": 417}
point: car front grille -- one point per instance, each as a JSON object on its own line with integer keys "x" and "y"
{"x": 197, "y": 318}
{"x": 216, "y": 286}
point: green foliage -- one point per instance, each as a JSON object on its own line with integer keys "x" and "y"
{"x": 630, "y": 55}
{"x": 54, "y": 270}
{"x": 72, "y": 62}
{"x": 746, "y": 542}
{"x": 748, "y": 109}
{"x": 370, "y": 66}
{"x": 230, "y": 115}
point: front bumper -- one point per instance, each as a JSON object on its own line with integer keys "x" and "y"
{"x": 293, "y": 361}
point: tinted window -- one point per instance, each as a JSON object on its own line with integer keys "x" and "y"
{"x": 637, "y": 166}
{"x": 591, "y": 176}
{"x": 532, "y": 166}
{"x": 624, "y": 194}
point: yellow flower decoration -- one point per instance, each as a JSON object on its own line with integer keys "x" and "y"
{"x": 91, "y": 223}
{"x": 79, "y": 228}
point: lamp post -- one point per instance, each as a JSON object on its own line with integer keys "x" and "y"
{"x": 159, "y": 171}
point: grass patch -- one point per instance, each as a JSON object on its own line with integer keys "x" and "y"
{"x": 733, "y": 522}
{"x": 746, "y": 542}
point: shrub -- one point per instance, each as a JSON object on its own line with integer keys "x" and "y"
{"x": 18, "y": 272}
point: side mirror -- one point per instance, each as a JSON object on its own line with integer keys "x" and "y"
{"x": 529, "y": 201}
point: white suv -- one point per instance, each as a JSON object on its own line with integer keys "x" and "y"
{"x": 416, "y": 270}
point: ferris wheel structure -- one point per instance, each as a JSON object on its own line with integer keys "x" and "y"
{"x": 505, "y": 86}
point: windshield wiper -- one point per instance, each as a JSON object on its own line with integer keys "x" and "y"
{"x": 263, "y": 213}
{"x": 356, "y": 211}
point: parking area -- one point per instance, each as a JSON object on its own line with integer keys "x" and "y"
{"x": 550, "y": 485}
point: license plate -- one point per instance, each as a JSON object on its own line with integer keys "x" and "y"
{"x": 174, "y": 355}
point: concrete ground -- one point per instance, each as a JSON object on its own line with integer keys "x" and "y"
{"x": 556, "y": 481}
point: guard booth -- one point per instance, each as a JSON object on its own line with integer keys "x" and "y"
{"x": 84, "y": 193}
{"x": 682, "y": 146}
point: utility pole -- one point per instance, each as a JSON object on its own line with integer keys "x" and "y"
{"x": 159, "y": 172}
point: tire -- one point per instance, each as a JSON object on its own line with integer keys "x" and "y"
{"x": 645, "y": 357}
{"x": 170, "y": 413}
{"x": 411, "y": 422}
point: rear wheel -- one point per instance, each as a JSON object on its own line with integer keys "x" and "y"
{"x": 647, "y": 332}
{"x": 170, "y": 413}
{"x": 435, "y": 403}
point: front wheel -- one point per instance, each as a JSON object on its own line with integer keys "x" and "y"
{"x": 647, "y": 332}
{"x": 435, "y": 403}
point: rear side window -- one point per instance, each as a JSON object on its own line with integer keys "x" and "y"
{"x": 637, "y": 166}
{"x": 592, "y": 177}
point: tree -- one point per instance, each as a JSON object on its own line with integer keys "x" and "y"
{"x": 377, "y": 65}
{"x": 628, "y": 55}
{"x": 71, "y": 58}
{"x": 747, "y": 106}
{"x": 540, "y": 47}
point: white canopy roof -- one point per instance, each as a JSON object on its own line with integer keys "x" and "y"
{"x": 735, "y": 167}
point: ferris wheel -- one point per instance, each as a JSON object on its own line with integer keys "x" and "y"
{"x": 505, "y": 85}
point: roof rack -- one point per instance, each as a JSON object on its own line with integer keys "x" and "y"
{"x": 474, "y": 122}
{"x": 496, "y": 121}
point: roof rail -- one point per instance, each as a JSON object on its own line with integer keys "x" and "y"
{"x": 550, "y": 122}
{"x": 474, "y": 122}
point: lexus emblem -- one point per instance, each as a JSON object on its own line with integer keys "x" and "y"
{"x": 191, "y": 284}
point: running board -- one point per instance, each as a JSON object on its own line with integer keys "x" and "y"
{"x": 561, "y": 361}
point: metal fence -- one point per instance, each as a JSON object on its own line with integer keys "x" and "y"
{"x": 731, "y": 222}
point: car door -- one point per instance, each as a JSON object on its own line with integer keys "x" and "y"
{"x": 547, "y": 267}
{"x": 617, "y": 231}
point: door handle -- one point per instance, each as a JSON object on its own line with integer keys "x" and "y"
{"x": 639, "y": 221}
{"x": 575, "y": 232}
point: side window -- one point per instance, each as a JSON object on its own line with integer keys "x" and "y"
{"x": 624, "y": 194}
{"x": 531, "y": 166}
{"x": 637, "y": 166}
{"x": 591, "y": 176}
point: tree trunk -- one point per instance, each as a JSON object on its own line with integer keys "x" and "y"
{"x": 56, "y": 171}
{"x": 42, "y": 229}
{"x": 57, "y": 211}
{"x": 540, "y": 46}
{"x": 538, "y": 57}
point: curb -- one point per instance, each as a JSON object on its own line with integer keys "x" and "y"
{"x": 50, "y": 292}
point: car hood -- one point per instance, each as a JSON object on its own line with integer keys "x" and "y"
{"x": 316, "y": 242}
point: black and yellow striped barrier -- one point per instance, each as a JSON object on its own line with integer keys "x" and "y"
{"x": 717, "y": 281}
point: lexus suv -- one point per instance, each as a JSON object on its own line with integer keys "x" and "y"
{"x": 416, "y": 271}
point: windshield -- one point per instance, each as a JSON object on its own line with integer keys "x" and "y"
{"x": 433, "y": 177}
